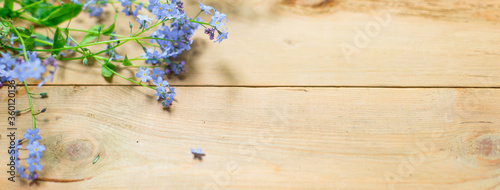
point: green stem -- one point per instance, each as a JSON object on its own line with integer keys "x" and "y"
{"x": 197, "y": 15}
{"x": 31, "y": 104}
{"x": 29, "y": 6}
{"x": 111, "y": 70}
{"x": 20, "y": 38}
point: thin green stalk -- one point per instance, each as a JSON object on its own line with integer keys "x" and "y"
{"x": 111, "y": 70}
{"x": 20, "y": 38}
{"x": 31, "y": 104}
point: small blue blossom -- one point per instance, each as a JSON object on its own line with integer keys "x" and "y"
{"x": 168, "y": 99}
{"x": 217, "y": 20}
{"x": 32, "y": 135}
{"x": 152, "y": 4}
{"x": 137, "y": 9}
{"x": 151, "y": 57}
{"x": 161, "y": 84}
{"x": 125, "y": 2}
{"x": 178, "y": 68}
{"x": 35, "y": 149}
{"x": 95, "y": 11}
{"x": 20, "y": 170}
{"x": 157, "y": 73}
{"x": 34, "y": 164}
{"x": 222, "y": 36}
{"x": 144, "y": 74}
{"x": 160, "y": 94}
{"x": 205, "y": 8}
{"x": 143, "y": 21}
{"x": 198, "y": 154}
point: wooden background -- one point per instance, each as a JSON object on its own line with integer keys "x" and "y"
{"x": 279, "y": 105}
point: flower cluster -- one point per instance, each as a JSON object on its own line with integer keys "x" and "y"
{"x": 163, "y": 90}
{"x": 35, "y": 154}
{"x": 217, "y": 23}
{"x": 18, "y": 68}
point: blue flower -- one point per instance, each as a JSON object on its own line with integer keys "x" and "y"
{"x": 36, "y": 69}
{"x": 172, "y": 91}
{"x": 217, "y": 20}
{"x": 168, "y": 99}
{"x": 178, "y": 68}
{"x": 151, "y": 57}
{"x": 143, "y": 20}
{"x": 157, "y": 73}
{"x": 32, "y": 135}
{"x": 144, "y": 74}
{"x": 160, "y": 94}
{"x": 125, "y": 2}
{"x": 35, "y": 149}
{"x": 3, "y": 71}
{"x": 20, "y": 170}
{"x": 222, "y": 36}
{"x": 152, "y": 4}
{"x": 161, "y": 84}
{"x": 137, "y": 9}
{"x": 205, "y": 8}
{"x": 198, "y": 154}
{"x": 95, "y": 11}
{"x": 89, "y": 2}
{"x": 76, "y": 1}
{"x": 7, "y": 59}
{"x": 34, "y": 163}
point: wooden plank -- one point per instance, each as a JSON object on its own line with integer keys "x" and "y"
{"x": 265, "y": 138}
{"x": 302, "y": 43}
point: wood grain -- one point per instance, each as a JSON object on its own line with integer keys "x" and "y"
{"x": 266, "y": 138}
{"x": 444, "y": 43}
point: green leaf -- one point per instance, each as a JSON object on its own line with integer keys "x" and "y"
{"x": 9, "y": 4}
{"x": 89, "y": 36}
{"x": 38, "y": 9}
{"x": 4, "y": 29}
{"x": 126, "y": 62}
{"x": 29, "y": 42}
{"x": 60, "y": 14}
{"x": 59, "y": 41}
{"x": 106, "y": 69}
{"x": 110, "y": 29}
{"x": 4, "y": 12}
{"x": 25, "y": 35}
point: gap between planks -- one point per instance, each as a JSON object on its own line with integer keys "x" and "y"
{"x": 283, "y": 86}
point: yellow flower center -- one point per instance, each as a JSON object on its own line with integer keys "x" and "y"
{"x": 216, "y": 22}
{"x": 143, "y": 74}
{"x": 161, "y": 84}
{"x": 169, "y": 9}
{"x": 34, "y": 163}
{"x": 168, "y": 98}
{"x": 161, "y": 8}
{"x": 32, "y": 135}
{"x": 36, "y": 149}
{"x": 34, "y": 69}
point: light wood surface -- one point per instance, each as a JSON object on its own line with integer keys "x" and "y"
{"x": 289, "y": 43}
{"x": 279, "y": 106}
{"x": 326, "y": 138}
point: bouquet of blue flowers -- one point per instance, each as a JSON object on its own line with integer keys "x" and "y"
{"x": 162, "y": 29}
